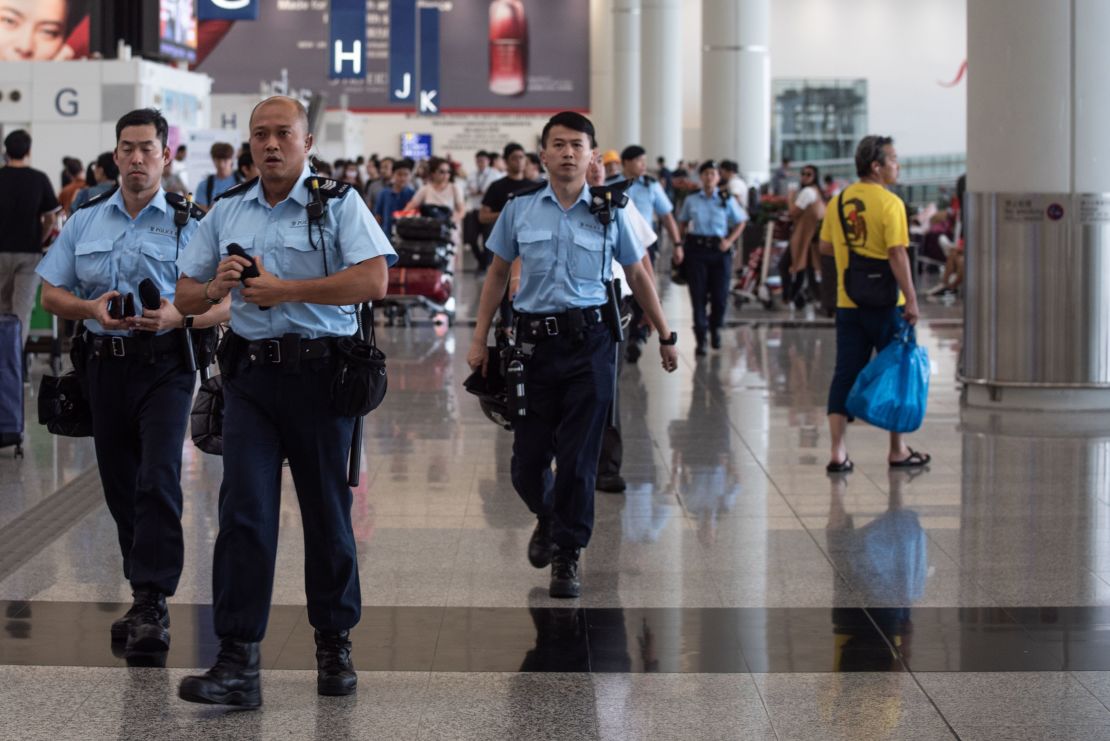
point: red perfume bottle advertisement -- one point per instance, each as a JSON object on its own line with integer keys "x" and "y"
{"x": 508, "y": 47}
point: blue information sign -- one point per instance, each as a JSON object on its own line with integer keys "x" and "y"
{"x": 347, "y": 40}
{"x": 402, "y": 51}
{"x": 416, "y": 146}
{"x": 227, "y": 10}
{"x": 429, "y": 61}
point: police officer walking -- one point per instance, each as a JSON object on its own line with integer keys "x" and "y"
{"x": 317, "y": 252}
{"x": 712, "y": 221}
{"x": 133, "y": 362}
{"x": 564, "y": 337}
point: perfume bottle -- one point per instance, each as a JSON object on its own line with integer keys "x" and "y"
{"x": 508, "y": 47}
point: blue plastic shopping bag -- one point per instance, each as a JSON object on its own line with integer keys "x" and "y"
{"x": 892, "y": 390}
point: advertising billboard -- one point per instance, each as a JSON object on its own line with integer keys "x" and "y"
{"x": 497, "y": 56}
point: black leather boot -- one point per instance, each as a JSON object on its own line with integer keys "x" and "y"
{"x": 541, "y": 546}
{"x": 564, "y": 574}
{"x": 234, "y": 680}
{"x": 335, "y": 674}
{"x": 121, "y": 628}
{"x": 148, "y": 631}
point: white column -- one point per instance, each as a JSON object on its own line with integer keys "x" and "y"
{"x": 601, "y": 65}
{"x": 736, "y": 83}
{"x": 1037, "y": 313}
{"x": 661, "y": 87}
{"x": 626, "y": 76}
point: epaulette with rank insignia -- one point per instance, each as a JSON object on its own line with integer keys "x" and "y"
{"x": 236, "y": 190}
{"x": 183, "y": 205}
{"x": 649, "y": 180}
{"x": 327, "y": 187}
{"x": 100, "y": 198}
{"x": 529, "y": 190}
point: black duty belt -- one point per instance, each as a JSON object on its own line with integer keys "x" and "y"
{"x": 146, "y": 347}
{"x": 285, "y": 351}
{"x": 703, "y": 242}
{"x": 533, "y": 327}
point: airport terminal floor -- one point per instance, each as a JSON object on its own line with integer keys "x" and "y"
{"x": 734, "y": 591}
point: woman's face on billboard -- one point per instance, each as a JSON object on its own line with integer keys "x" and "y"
{"x": 31, "y": 29}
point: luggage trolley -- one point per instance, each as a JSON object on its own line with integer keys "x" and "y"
{"x": 422, "y": 276}
{"x": 757, "y": 281}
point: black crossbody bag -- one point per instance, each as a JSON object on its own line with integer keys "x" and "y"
{"x": 868, "y": 281}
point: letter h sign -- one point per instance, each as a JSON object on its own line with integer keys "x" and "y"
{"x": 347, "y": 40}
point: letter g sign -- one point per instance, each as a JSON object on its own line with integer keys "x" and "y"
{"x": 65, "y": 102}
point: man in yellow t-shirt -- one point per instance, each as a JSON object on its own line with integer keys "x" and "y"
{"x": 873, "y": 226}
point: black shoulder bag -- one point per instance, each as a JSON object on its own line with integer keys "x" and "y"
{"x": 868, "y": 281}
{"x": 63, "y": 406}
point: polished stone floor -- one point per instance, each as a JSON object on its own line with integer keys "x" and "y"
{"x": 734, "y": 591}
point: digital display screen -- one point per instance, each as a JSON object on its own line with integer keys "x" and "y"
{"x": 177, "y": 30}
{"x": 416, "y": 146}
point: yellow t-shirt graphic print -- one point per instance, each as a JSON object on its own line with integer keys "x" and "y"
{"x": 876, "y": 221}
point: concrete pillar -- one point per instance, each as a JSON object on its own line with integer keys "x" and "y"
{"x": 662, "y": 80}
{"x": 601, "y": 65}
{"x": 736, "y": 84}
{"x": 1037, "y": 314}
{"x": 626, "y": 76}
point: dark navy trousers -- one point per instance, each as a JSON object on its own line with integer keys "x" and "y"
{"x": 708, "y": 272}
{"x": 270, "y": 414}
{"x": 140, "y": 412}
{"x": 569, "y": 386}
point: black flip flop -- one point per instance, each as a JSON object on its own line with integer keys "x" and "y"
{"x": 845, "y": 466}
{"x": 913, "y": 460}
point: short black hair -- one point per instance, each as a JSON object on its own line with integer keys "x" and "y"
{"x": 510, "y": 148}
{"x": 73, "y": 166}
{"x": 535, "y": 160}
{"x": 707, "y": 165}
{"x": 631, "y": 152}
{"x": 401, "y": 164}
{"x": 730, "y": 166}
{"x": 106, "y": 162}
{"x": 483, "y": 153}
{"x": 871, "y": 149}
{"x": 570, "y": 120}
{"x": 246, "y": 159}
{"x": 145, "y": 117}
{"x": 17, "y": 144}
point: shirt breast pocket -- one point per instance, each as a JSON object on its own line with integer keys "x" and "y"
{"x": 309, "y": 254}
{"x": 93, "y": 262}
{"x": 586, "y": 256}
{"x": 536, "y": 252}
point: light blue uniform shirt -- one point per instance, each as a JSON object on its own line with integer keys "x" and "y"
{"x": 101, "y": 249}
{"x": 280, "y": 235}
{"x": 649, "y": 198}
{"x": 565, "y": 253}
{"x": 708, "y": 216}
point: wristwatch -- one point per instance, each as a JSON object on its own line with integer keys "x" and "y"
{"x": 211, "y": 301}
{"x": 187, "y": 321}
{"x": 672, "y": 340}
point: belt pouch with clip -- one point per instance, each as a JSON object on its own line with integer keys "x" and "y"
{"x": 227, "y": 353}
{"x": 359, "y": 382}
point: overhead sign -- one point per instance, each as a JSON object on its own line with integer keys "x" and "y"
{"x": 347, "y": 40}
{"x": 227, "y": 10}
{"x": 429, "y": 61}
{"x": 402, "y": 51}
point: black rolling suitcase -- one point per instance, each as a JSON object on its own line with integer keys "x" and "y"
{"x": 413, "y": 253}
{"x": 11, "y": 384}
{"x": 423, "y": 227}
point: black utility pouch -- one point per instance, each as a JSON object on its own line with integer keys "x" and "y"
{"x": 227, "y": 354}
{"x": 359, "y": 382}
{"x": 63, "y": 407}
{"x": 612, "y": 309}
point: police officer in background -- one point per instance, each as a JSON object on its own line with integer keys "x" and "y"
{"x": 318, "y": 253}
{"x": 712, "y": 221}
{"x": 647, "y": 195}
{"x": 134, "y": 368}
{"x": 561, "y": 332}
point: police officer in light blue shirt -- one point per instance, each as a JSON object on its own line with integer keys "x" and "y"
{"x": 566, "y": 241}
{"x": 713, "y": 222}
{"x": 318, "y": 253}
{"x": 133, "y": 362}
{"x": 647, "y": 195}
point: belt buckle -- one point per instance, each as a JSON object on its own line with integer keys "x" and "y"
{"x": 272, "y": 351}
{"x": 118, "y": 348}
{"x": 551, "y": 326}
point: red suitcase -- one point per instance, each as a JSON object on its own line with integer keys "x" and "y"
{"x": 428, "y": 282}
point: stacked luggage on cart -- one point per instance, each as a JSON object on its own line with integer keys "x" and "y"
{"x": 423, "y": 274}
